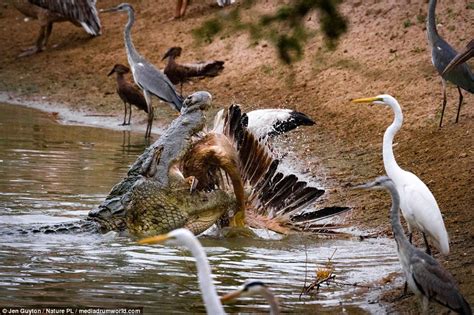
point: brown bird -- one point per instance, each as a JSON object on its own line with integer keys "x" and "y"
{"x": 462, "y": 57}
{"x": 128, "y": 93}
{"x": 180, "y": 73}
{"x": 79, "y": 12}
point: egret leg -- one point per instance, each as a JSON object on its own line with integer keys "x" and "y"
{"x": 428, "y": 249}
{"x": 460, "y": 103}
{"x": 125, "y": 113}
{"x": 444, "y": 102}
{"x": 129, "y": 113}
{"x": 150, "y": 113}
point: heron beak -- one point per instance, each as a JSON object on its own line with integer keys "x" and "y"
{"x": 367, "y": 100}
{"x": 111, "y": 72}
{"x": 231, "y": 296}
{"x": 154, "y": 239}
{"x": 166, "y": 55}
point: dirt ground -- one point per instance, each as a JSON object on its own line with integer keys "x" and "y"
{"x": 384, "y": 51}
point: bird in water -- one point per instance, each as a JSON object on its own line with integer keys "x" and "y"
{"x": 425, "y": 276}
{"x": 181, "y": 73}
{"x": 441, "y": 55}
{"x": 418, "y": 205}
{"x": 79, "y": 12}
{"x": 128, "y": 93}
{"x": 151, "y": 80}
{"x": 212, "y": 302}
{"x": 462, "y": 57}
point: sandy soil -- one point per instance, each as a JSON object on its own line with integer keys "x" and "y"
{"x": 385, "y": 51}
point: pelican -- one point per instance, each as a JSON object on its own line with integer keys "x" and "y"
{"x": 151, "y": 80}
{"x": 441, "y": 55}
{"x": 79, "y": 12}
{"x": 270, "y": 122}
{"x": 418, "y": 205}
{"x": 425, "y": 276}
{"x": 128, "y": 93}
{"x": 212, "y": 302}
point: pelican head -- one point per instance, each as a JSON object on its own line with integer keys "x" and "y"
{"x": 120, "y": 8}
{"x": 173, "y": 52}
{"x": 379, "y": 183}
{"x": 199, "y": 100}
{"x": 384, "y": 99}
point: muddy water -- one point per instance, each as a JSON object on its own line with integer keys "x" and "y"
{"x": 54, "y": 173}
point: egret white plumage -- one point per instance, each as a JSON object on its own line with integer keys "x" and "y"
{"x": 441, "y": 55}
{"x": 418, "y": 205}
{"x": 269, "y": 122}
{"x": 151, "y": 80}
{"x": 212, "y": 302}
{"x": 425, "y": 276}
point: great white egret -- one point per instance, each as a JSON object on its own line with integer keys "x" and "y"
{"x": 212, "y": 302}
{"x": 418, "y": 205}
{"x": 425, "y": 276}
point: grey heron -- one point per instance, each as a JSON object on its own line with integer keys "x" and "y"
{"x": 212, "y": 302}
{"x": 441, "y": 55}
{"x": 128, "y": 93}
{"x": 425, "y": 276}
{"x": 418, "y": 205}
{"x": 79, "y": 12}
{"x": 151, "y": 80}
{"x": 463, "y": 56}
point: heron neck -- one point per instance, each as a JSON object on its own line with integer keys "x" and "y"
{"x": 391, "y": 166}
{"x": 132, "y": 53}
{"x": 431, "y": 22}
{"x": 272, "y": 301}
{"x": 208, "y": 290}
{"x": 397, "y": 229}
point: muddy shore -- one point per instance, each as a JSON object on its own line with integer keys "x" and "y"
{"x": 384, "y": 51}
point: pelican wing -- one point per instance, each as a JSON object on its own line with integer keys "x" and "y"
{"x": 437, "y": 284}
{"x": 82, "y": 11}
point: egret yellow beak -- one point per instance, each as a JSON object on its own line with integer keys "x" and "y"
{"x": 367, "y": 100}
{"x": 231, "y": 296}
{"x": 154, "y": 239}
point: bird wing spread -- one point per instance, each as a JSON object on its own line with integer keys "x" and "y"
{"x": 82, "y": 11}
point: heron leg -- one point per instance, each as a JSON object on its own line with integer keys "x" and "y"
{"x": 184, "y": 6}
{"x": 150, "y": 113}
{"x": 428, "y": 249}
{"x": 177, "y": 11}
{"x": 410, "y": 237}
{"x": 460, "y": 103}
{"x": 444, "y": 102}
{"x": 49, "y": 29}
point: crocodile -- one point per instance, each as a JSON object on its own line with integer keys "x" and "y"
{"x": 192, "y": 177}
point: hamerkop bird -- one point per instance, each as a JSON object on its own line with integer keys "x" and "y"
{"x": 128, "y": 93}
{"x": 79, "y": 12}
{"x": 180, "y": 73}
{"x": 151, "y": 80}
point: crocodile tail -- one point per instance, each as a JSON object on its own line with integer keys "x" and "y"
{"x": 84, "y": 226}
{"x": 276, "y": 200}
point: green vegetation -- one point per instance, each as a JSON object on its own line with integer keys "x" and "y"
{"x": 285, "y": 28}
